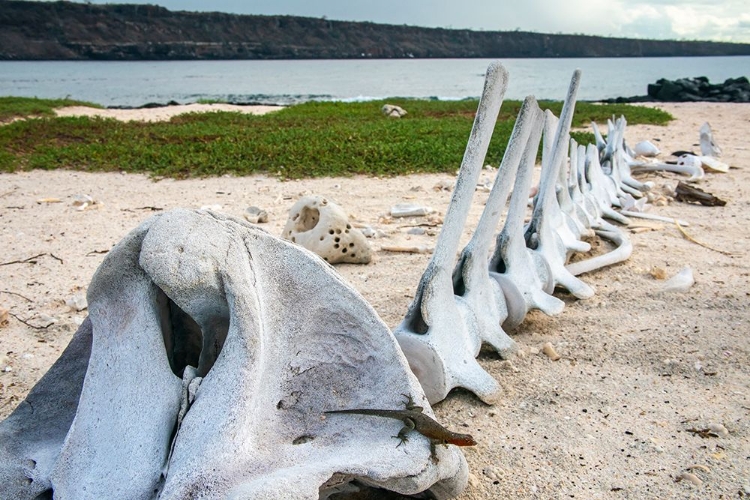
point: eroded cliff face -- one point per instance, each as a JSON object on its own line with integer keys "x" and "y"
{"x": 65, "y": 30}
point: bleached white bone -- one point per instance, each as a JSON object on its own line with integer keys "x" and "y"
{"x": 540, "y": 233}
{"x": 686, "y": 164}
{"x": 471, "y": 278}
{"x": 585, "y": 208}
{"x": 621, "y": 159}
{"x": 708, "y": 145}
{"x": 279, "y": 339}
{"x": 600, "y": 184}
{"x": 621, "y": 253}
{"x": 646, "y": 215}
{"x": 512, "y": 262}
{"x": 565, "y": 217}
{"x": 32, "y": 436}
{"x": 646, "y": 149}
{"x": 546, "y": 202}
{"x": 609, "y": 160}
{"x": 439, "y": 334}
{"x": 581, "y": 191}
{"x": 601, "y": 144}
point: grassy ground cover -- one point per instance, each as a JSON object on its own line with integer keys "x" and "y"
{"x": 306, "y": 140}
{"x": 17, "y": 107}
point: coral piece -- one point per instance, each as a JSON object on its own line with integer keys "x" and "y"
{"x": 322, "y": 227}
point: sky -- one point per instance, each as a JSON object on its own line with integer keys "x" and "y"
{"x": 719, "y": 20}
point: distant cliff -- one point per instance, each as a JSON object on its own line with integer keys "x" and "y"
{"x": 70, "y": 31}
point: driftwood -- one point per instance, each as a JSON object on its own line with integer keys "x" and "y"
{"x": 689, "y": 194}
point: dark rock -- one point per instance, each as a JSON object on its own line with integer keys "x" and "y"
{"x": 670, "y": 91}
{"x": 693, "y": 90}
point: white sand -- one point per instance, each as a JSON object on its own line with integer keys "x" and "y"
{"x": 609, "y": 420}
{"x": 163, "y": 113}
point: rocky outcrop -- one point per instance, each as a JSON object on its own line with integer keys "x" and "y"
{"x": 70, "y": 31}
{"x": 699, "y": 89}
{"x": 693, "y": 90}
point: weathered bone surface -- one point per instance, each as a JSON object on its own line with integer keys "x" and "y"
{"x": 512, "y": 262}
{"x": 541, "y": 234}
{"x": 567, "y": 188}
{"x": 686, "y": 164}
{"x": 580, "y": 191}
{"x": 647, "y": 149}
{"x": 277, "y": 338}
{"x": 546, "y": 203}
{"x": 439, "y": 334}
{"x": 599, "y": 186}
{"x": 708, "y": 145}
{"x": 322, "y": 227}
{"x": 31, "y": 437}
{"x": 483, "y": 295}
{"x": 622, "y": 252}
{"x": 621, "y": 163}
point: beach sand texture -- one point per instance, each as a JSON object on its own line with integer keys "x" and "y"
{"x": 613, "y": 418}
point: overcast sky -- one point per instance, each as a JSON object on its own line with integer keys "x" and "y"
{"x": 724, "y": 20}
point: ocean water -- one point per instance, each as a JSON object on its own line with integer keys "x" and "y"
{"x": 134, "y": 83}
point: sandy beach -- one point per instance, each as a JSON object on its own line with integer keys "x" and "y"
{"x": 617, "y": 417}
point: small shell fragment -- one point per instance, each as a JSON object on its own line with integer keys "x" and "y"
{"x": 712, "y": 163}
{"x": 550, "y": 352}
{"x": 691, "y": 478}
{"x": 719, "y": 429}
{"x": 699, "y": 467}
{"x": 646, "y": 148}
{"x": 680, "y": 282}
{"x": 255, "y": 215}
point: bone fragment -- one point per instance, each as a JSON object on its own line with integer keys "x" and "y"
{"x": 647, "y": 149}
{"x": 646, "y": 215}
{"x": 690, "y": 477}
{"x": 323, "y": 227}
{"x": 409, "y": 210}
{"x": 680, "y": 282}
{"x": 550, "y": 351}
{"x": 686, "y": 164}
{"x": 708, "y": 145}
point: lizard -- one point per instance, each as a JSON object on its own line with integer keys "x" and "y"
{"x": 415, "y": 419}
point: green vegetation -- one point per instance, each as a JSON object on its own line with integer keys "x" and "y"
{"x": 210, "y": 101}
{"x": 306, "y": 140}
{"x": 20, "y": 107}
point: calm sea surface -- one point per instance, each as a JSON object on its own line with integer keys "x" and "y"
{"x": 283, "y": 82}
